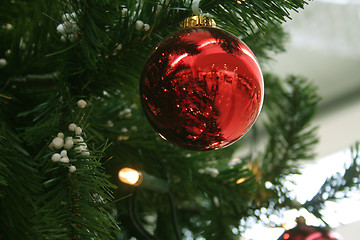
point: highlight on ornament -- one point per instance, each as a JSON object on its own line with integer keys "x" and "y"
{"x": 201, "y": 88}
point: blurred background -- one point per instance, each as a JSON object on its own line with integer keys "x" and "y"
{"x": 324, "y": 46}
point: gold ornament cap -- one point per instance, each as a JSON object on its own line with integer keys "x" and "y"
{"x": 198, "y": 21}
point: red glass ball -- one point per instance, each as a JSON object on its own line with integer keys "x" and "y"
{"x": 304, "y": 232}
{"x": 201, "y": 88}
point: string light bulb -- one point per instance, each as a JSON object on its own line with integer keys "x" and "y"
{"x": 130, "y": 176}
{"x": 241, "y": 180}
{"x": 141, "y": 179}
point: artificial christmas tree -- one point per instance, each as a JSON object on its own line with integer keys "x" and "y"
{"x": 71, "y": 119}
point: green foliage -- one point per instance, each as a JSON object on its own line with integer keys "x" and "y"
{"x": 338, "y": 186}
{"x": 19, "y": 184}
{"x": 289, "y": 108}
{"x": 75, "y": 205}
{"x": 97, "y": 55}
{"x": 243, "y": 17}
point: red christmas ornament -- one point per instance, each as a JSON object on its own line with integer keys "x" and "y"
{"x": 305, "y": 232}
{"x": 201, "y": 88}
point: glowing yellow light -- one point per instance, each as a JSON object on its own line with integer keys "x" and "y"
{"x": 130, "y": 176}
{"x": 240, "y": 180}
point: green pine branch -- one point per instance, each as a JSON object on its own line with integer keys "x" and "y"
{"x": 19, "y": 184}
{"x": 289, "y": 109}
{"x": 244, "y": 17}
{"x": 337, "y": 186}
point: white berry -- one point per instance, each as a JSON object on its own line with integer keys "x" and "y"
{"x": 65, "y": 17}
{"x": 80, "y": 149}
{"x": 7, "y": 52}
{"x": 56, "y": 157}
{"x": 213, "y": 172}
{"x": 61, "y": 29}
{"x": 85, "y": 153}
{"x": 78, "y": 130}
{"x": 68, "y": 26}
{"x": 65, "y": 160}
{"x": 8, "y": 26}
{"x": 63, "y": 153}
{"x": 139, "y": 25}
{"x": 72, "y": 38}
{"x": 126, "y": 113}
{"x": 68, "y": 138}
{"x": 83, "y": 145}
{"x": 78, "y": 139}
{"x": 58, "y": 142}
{"x": 51, "y": 146}
{"x": 146, "y": 27}
{"x": 72, "y": 127}
{"x": 72, "y": 169}
{"x": 110, "y": 123}
{"x": 63, "y": 38}
{"x": 61, "y": 135}
{"x": 73, "y": 15}
{"x": 123, "y": 12}
{"x": 119, "y": 47}
{"x": 158, "y": 9}
{"x": 81, "y": 103}
{"x": 3, "y": 62}
{"x": 68, "y": 144}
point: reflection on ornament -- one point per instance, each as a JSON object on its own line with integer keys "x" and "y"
{"x": 202, "y": 88}
{"x": 305, "y": 232}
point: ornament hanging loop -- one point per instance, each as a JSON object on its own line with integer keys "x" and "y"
{"x": 195, "y": 7}
{"x": 198, "y": 21}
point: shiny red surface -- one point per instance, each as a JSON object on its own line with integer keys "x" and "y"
{"x": 201, "y": 88}
{"x": 304, "y": 232}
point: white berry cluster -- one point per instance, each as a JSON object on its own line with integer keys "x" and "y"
{"x": 125, "y": 132}
{"x": 66, "y": 143}
{"x": 126, "y": 113}
{"x": 3, "y": 61}
{"x": 139, "y": 25}
{"x": 69, "y": 30}
{"x": 211, "y": 171}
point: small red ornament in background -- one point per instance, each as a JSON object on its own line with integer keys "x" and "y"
{"x": 201, "y": 88}
{"x": 304, "y": 232}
